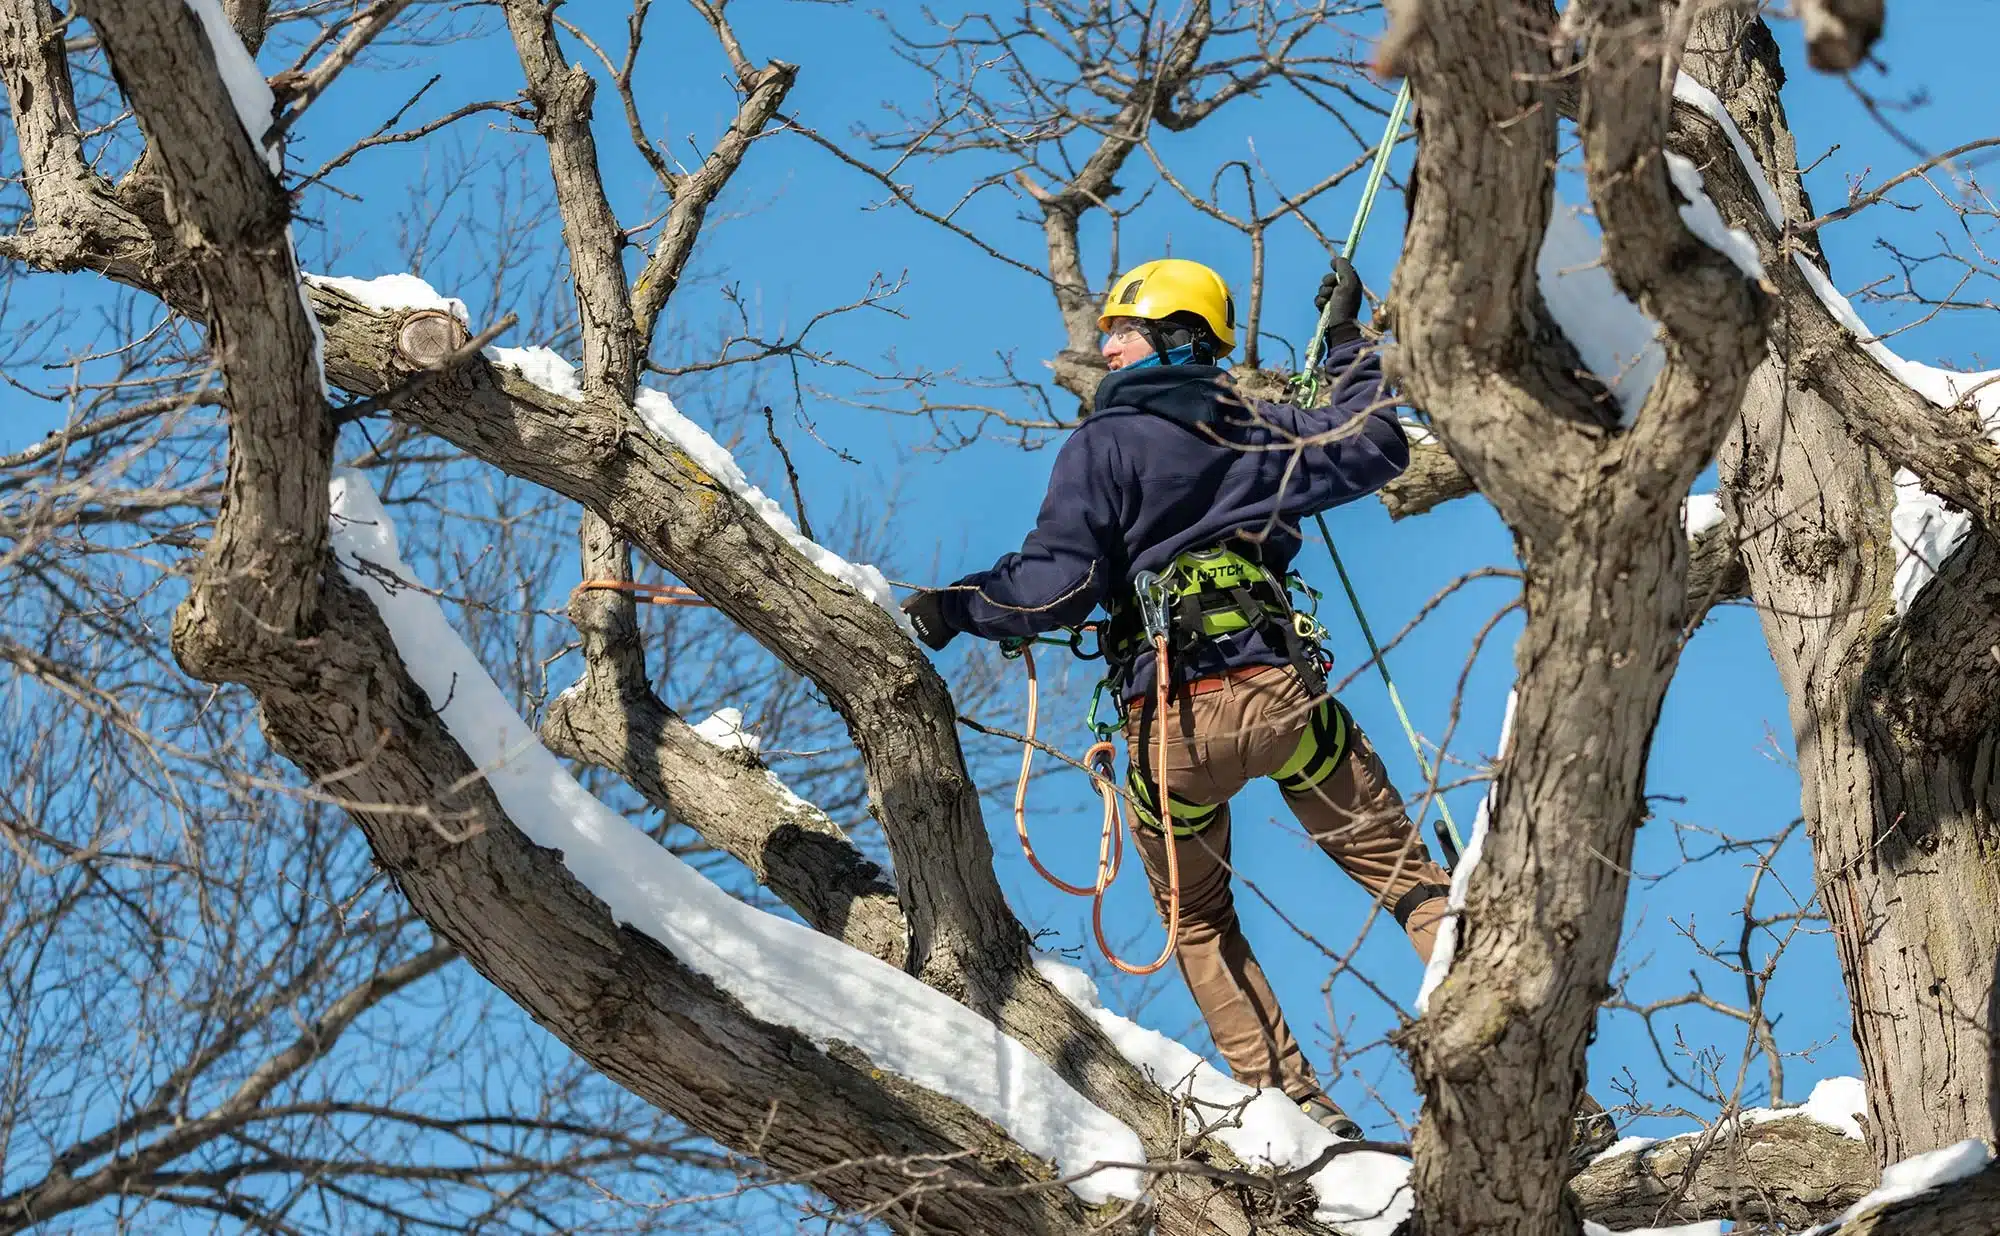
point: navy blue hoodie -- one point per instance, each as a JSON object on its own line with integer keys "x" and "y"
{"x": 1172, "y": 460}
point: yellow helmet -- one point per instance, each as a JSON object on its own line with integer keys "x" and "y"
{"x": 1168, "y": 286}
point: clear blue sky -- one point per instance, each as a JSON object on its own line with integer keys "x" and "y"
{"x": 798, "y": 239}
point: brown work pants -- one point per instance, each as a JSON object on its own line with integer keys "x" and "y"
{"x": 1217, "y": 741}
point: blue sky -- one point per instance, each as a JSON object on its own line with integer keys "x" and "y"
{"x": 797, "y": 235}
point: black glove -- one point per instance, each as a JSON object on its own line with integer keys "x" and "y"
{"x": 1342, "y": 287}
{"x": 926, "y": 611}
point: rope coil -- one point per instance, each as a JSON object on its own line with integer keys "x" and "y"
{"x": 1102, "y": 762}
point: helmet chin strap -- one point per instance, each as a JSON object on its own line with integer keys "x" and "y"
{"x": 1203, "y": 350}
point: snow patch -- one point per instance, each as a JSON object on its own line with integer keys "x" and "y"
{"x": 1700, "y": 513}
{"x": 394, "y": 293}
{"x": 724, "y": 729}
{"x": 557, "y": 376}
{"x": 1624, "y": 1145}
{"x": 1918, "y": 1174}
{"x": 256, "y": 109}
{"x": 778, "y": 970}
{"x": 1692, "y": 92}
{"x": 1615, "y": 338}
{"x": 1418, "y": 432}
{"x": 1705, "y": 221}
{"x": 1712, "y": 1227}
{"x": 1925, "y": 531}
{"x": 543, "y": 366}
{"x": 1364, "y": 1193}
{"x": 255, "y": 105}
{"x": 1461, "y": 880}
{"x": 1836, "y": 1102}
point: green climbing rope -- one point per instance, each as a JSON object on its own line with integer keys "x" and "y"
{"x": 1448, "y": 834}
{"x": 1398, "y": 111}
{"x": 1447, "y": 827}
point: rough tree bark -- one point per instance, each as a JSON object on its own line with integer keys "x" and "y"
{"x": 612, "y": 718}
{"x": 1596, "y": 519}
{"x": 1794, "y": 1171}
{"x": 1896, "y": 722}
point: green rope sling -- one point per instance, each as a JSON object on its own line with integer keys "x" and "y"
{"x": 1448, "y": 834}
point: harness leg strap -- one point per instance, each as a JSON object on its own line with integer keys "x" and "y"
{"x": 1321, "y": 748}
{"x": 1189, "y": 818}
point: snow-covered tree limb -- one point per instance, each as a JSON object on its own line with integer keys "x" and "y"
{"x": 336, "y": 700}
{"x": 1965, "y": 1208}
{"x": 612, "y": 718}
{"x": 256, "y": 590}
{"x": 1950, "y": 449}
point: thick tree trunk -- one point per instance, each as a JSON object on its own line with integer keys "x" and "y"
{"x": 1911, "y": 876}
{"x": 1503, "y": 1057}
{"x": 1596, "y": 513}
{"x": 1894, "y": 721}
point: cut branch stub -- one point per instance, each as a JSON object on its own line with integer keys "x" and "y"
{"x": 428, "y": 337}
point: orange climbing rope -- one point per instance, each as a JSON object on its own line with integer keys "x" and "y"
{"x": 644, "y": 594}
{"x": 1101, "y": 760}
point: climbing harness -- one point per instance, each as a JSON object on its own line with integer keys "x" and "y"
{"x": 1200, "y": 595}
{"x": 1209, "y": 594}
{"x": 1206, "y": 594}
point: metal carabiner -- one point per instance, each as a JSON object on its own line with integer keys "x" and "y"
{"x": 1152, "y": 592}
{"x": 1100, "y": 728}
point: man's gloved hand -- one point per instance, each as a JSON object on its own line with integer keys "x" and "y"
{"x": 1341, "y": 287}
{"x": 926, "y": 611}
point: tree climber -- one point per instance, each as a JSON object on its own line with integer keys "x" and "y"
{"x": 1178, "y": 475}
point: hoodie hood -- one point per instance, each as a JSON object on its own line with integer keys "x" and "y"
{"x": 1189, "y": 395}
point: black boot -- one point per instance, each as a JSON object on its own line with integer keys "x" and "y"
{"x": 1323, "y": 1112}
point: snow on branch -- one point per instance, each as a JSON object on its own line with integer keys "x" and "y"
{"x": 780, "y": 971}
{"x": 1618, "y": 342}
{"x": 1926, "y": 530}
{"x": 256, "y": 108}
{"x": 255, "y": 105}
{"x": 1613, "y": 336}
{"x": 1916, "y": 1175}
{"x": 558, "y": 377}
{"x": 1446, "y": 946}
{"x": 548, "y": 370}
{"x": 1365, "y": 1193}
